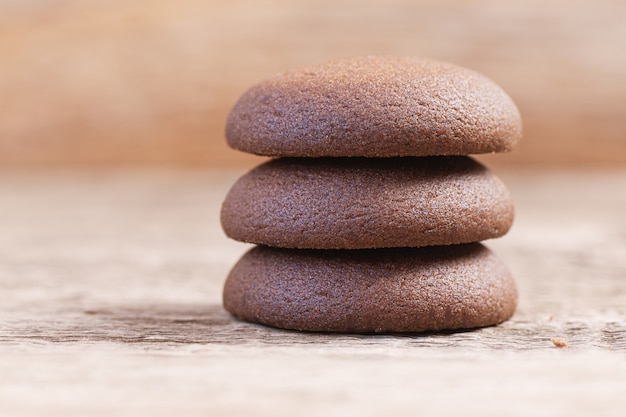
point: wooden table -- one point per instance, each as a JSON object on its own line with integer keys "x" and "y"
{"x": 110, "y": 286}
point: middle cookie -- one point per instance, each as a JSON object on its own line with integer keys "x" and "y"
{"x": 359, "y": 203}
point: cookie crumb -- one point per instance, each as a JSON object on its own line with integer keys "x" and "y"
{"x": 550, "y": 318}
{"x": 560, "y": 343}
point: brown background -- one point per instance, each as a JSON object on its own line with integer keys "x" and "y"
{"x": 149, "y": 82}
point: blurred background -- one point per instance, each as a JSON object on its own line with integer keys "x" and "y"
{"x": 150, "y": 82}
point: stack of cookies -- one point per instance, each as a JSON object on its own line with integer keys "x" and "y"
{"x": 369, "y": 217}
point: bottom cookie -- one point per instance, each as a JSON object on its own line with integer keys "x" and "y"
{"x": 372, "y": 291}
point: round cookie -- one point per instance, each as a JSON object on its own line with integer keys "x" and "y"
{"x": 366, "y": 291}
{"x": 375, "y": 107}
{"x": 359, "y": 203}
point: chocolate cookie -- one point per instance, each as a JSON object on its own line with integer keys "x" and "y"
{"x": 375, "y": 107}
{"x": 365, "y": 291}
{"x": 357, "y": 203}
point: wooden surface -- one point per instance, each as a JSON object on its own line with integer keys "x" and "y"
{"x": 110, "y": 289}
{"x": 150, "y": 81}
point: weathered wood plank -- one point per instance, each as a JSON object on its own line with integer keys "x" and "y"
{"x": 167, "y": 327}
{"x": 110, "y": 290}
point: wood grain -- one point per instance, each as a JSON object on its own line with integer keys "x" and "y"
{"x": 110, "y": 286}
{"x": 151, "y": 81}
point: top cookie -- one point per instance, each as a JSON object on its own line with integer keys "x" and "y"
{"x": 375, "y": 107}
